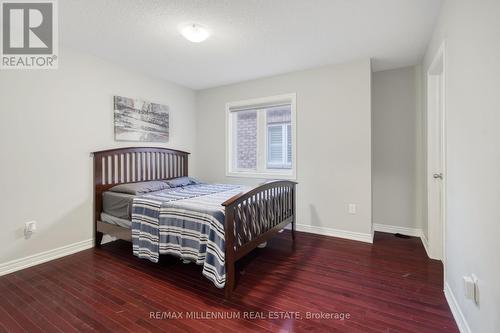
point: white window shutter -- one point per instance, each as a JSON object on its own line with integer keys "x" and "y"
{"x": 289, "y": 143}
{"x": 275, "y": 147}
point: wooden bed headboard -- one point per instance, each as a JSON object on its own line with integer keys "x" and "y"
{"x": 134, "y": 164}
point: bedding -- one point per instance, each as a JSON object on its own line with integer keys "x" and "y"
{"x": 108, "y": 218}
{"x": 182, "y": 181}
{"x": 117, "y": 201}
{"x": 117, "y": 204}
{"x": 184, "y": 221}
{"x": 140, "y": 187}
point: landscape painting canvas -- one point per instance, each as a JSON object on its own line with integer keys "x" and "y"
{"x": 137, "y": 120}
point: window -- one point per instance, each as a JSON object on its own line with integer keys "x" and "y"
{"x": 261, "y": 137}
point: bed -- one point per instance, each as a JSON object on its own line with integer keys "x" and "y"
{"x": 213, "y": 225}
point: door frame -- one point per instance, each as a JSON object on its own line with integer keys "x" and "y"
{"x": 436, "y": 87}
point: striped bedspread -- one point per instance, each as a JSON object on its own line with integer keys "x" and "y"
{"x": 187, "y": 222}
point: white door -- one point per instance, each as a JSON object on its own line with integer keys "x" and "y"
{"x": 436, "y": 157}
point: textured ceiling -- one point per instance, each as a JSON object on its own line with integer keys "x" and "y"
{"x": 250, "y": 38}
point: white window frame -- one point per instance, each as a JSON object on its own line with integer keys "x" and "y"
{"x": 262, "y": 171}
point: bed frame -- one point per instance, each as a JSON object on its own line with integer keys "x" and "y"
{"x": 252, "y": 217}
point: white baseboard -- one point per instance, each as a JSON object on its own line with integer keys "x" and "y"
{"x": 393, "y": 229}
{"x": 425, "y": 243}
{"x": 462, "y": 324}
{"x": 357, "y": 236}
{"x": 18, "y": 264}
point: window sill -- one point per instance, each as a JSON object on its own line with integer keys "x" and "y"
{"x": 265, "y": 176}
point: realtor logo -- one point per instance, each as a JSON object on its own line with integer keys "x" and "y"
{"x": 29, "y": 34}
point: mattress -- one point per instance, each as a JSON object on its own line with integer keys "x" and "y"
{"x": 117, "y": 204}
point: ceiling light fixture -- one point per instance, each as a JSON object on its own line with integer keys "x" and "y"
{"x": 195, "y": 33}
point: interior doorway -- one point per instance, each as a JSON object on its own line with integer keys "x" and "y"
{"x": 436, "y": 157}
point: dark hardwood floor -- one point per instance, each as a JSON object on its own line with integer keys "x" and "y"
{"x": 390, "y": 286}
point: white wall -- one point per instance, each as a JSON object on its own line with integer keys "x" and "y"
{"x": 395, "y": 141}
{"x": 333, "y": 140}
{"x": 50, "y": 122}
{"x": 472, "y": 96}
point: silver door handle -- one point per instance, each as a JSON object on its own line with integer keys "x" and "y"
{"x": 438, "y": 176}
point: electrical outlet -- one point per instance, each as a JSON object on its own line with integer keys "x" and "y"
{"x": 29, "y": 229}
{"x": 476, "y": 289}
{"x": 351, "y": 208}
{"x": 471, "y": 288}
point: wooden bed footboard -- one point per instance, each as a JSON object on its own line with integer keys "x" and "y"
{"x": 254, "y": 217}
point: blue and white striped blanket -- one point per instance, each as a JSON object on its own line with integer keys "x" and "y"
{"x": 187, "y": 222}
